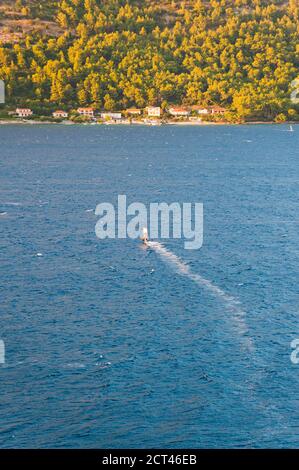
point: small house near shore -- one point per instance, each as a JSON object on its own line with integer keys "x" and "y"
{"x": 199, "y": 109}
{"x": 204, "y": 110}
{"x": 113, "y": 116}
{"x": 179, "y": 111}
{"x": 133, "y": 111}
{"x": 24, "y": 112}
{"x": 60, "y": 114}
{"x": 89, "y": 112}
{"x": 153, "y": 111}
{"x": 217, "y": 110}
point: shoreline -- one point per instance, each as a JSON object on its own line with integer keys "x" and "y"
{"x": 5, "y": 122}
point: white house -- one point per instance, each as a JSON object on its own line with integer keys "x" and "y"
{"x": 154, "y": 111}
{"x": 24, "y": 112}
{"x": 178, "y": 111}
{"x": 89, "y": 112}
{"x": 201, "y": 109}
{"x": 111, "y": 116}
{"x": 60, "y": 114}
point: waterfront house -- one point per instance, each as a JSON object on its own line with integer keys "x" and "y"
{"x": 111, "y": 116}
{"x": 24, "y": 112}
{"x": 89, "y": 112}
{"x": 153, "y": 111}
{"x": 179, "y": 111}
{"x": 133, "y": 111}
{"x": 200, "y": 109}
{"x": 217, "y": 110}
{"x": 60, "y": 114}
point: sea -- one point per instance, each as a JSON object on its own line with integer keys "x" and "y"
{"x": 111, "y": 344}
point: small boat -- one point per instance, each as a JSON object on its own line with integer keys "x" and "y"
{"x": 291, "y": 128}
{"x": 144, "y": 236}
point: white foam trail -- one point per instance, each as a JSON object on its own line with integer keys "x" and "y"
{"x": 11, "y": 203}
{"x": 232, "y": 304}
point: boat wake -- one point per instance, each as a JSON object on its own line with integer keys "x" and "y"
{"x": 233, "y": 305}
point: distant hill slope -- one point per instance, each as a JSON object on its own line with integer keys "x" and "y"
{"x": 18, "y": 18}
{"x": 111, "y": 54}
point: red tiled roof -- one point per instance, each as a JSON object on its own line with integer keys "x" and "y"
{"x": 178, "y": 109}
{"x": 217, "y": 108}
{"x": 198, "y": 106}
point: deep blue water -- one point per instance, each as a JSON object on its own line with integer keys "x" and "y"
{"x": 107, "y": 344}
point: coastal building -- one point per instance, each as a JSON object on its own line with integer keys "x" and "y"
{"x": 200, "y": 109}
{"x": 179, "y": 111}
{"x": 111, "y": 116}
{"x": 60, "y": 114}
{"x": 217, "y": 110}
{"x": 89, "y": 112}
{"x": 153, "y": 111}
{"x": 133, "y": 111}
{"x": 24, "y": 112}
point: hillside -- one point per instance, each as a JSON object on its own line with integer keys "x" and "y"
{"x": 112, "y": 54}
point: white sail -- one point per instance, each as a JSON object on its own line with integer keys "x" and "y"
{"x": 144, "y": 235}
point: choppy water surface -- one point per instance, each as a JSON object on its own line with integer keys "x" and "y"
{"x": 112, "y": 345}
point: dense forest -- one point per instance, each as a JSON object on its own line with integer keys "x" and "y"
{"x": 113, "y": 54}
